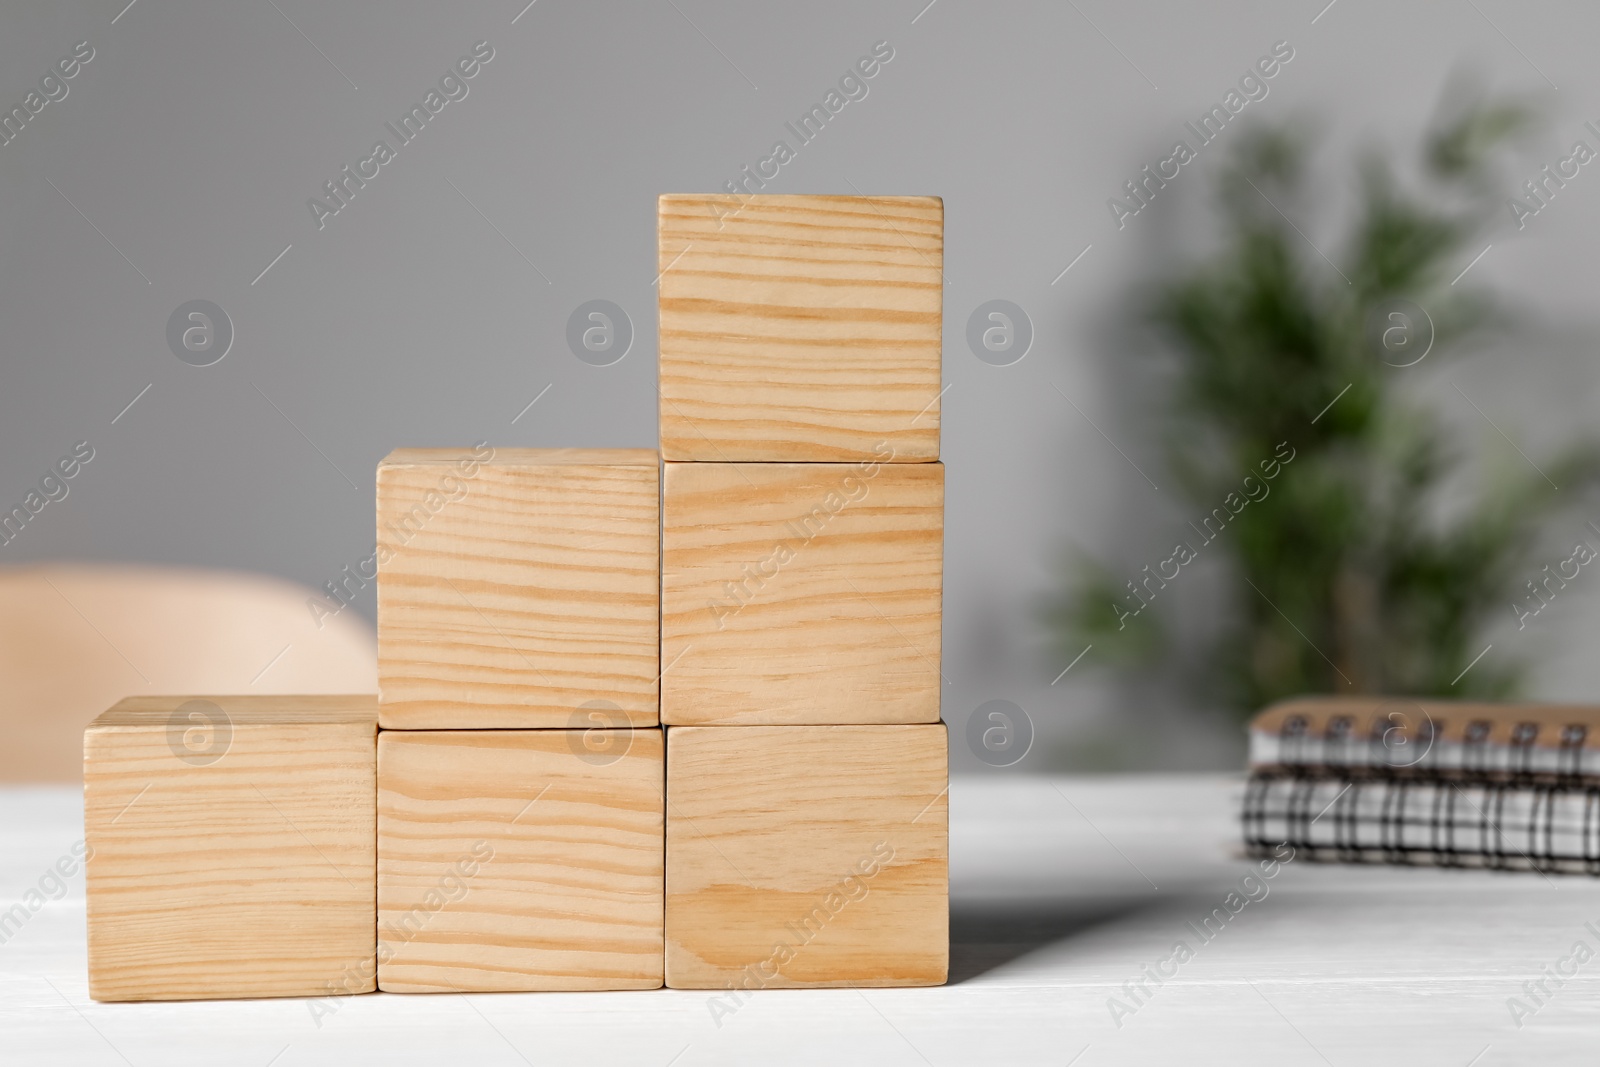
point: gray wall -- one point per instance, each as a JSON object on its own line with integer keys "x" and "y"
{"x": 433, "y": 307}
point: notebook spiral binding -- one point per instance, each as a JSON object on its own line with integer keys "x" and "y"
{"x": 1410, "y": 794}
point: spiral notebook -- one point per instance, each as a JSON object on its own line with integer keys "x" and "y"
{"x": 1392, "y": 780}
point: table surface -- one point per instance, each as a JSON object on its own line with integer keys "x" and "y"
{"x": 1062, "y": 890}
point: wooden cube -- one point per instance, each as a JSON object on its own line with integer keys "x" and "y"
{"x": 517, "y": 587}
{"x": 800, "y": 328}
{"x": 807, "y": 856}
{"x": 801, "y": 593}
{"x": 519, "y": 860}
{"x": 231, "y": 847}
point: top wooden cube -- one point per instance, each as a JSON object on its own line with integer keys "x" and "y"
{"x": 800, "y": 329}
{"x": 518, "y": 587}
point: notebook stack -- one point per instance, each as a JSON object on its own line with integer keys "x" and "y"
{"x": 1391, "y": 780}
{"x": 643, "y": 718}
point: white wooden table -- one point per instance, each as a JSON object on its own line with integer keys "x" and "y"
{"x": 1062, "y": 890}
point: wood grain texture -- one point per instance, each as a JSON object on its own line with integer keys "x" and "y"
{"x": 800, "y": 328}
{"x": 519, "y": 860}
{"x": 807, "y": 856}
{"x": 517, "y": 587}
{"x": 801, "y": 593}
{"x": 231, "y": 847}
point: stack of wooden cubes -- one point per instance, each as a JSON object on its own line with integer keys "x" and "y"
{"x": 801, "y": 579}
{"x": 643, "y": 719}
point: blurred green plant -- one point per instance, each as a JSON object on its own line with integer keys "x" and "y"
{"x": 1348, "y": 577}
